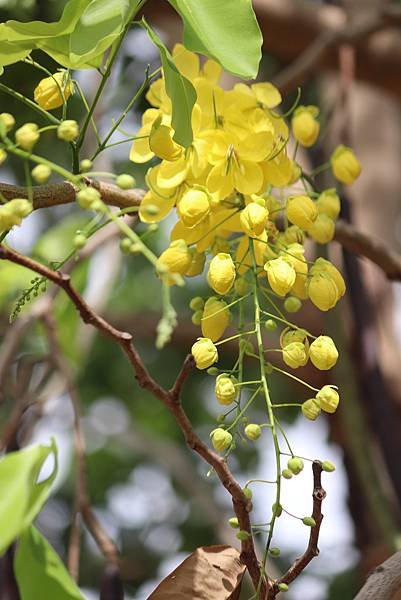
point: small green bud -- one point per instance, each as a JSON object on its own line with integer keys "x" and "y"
{"x": 79, "y": 241}
{"x": 233, "y": 522}
{"x": 125, "y": 181}
{"x": 212, "y": 371}
{"x": 221, "y": 418}
{"x": 27, "y": 136}
{"x": 151, "y": 210}
{"x": 197, "y": 317}
{"x": 246, "y": 346}
{"x": 221, "y": 439}
{"x": 68, "y": 130}
{"x": 88, "y": 197}
{"x": 283, "y": 587}
{"x": 277, "y": 509}
{"x": 153, "y": 227}
{"x": 253, "y": 431}
{"x": 270, "y": 325}
{"x": 135, "y": 248}
{"x": 85, "y": 165}
{"x": 197, "y": 303}
{"x": 309, "y": 521}
{"x": 125, "y": 245}
{"x": 328, "y": 466}
{"x": 243, "y": 535}
{"x": 247, "y": 493}
{"x": 292, "y": 304}
{"x": 8, "y": 120}
{"x": 268, "y": 368}
{"x": 295, "y": 465}
{"x": 287, "y": 474}
{"x": 41, "y": 173}
{"x": 274, "y": 552}
{"x": 241, "y": 286}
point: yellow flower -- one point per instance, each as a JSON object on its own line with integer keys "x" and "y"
{"x": 253, "y": 431}
{"x": 162, "y": 144}
{"x": 221, "y": 439}
{"x": 293, "y": 335}
{"x": 197, "y": 264}
{"x": 193, "y": 207}
{"x": 323, "y": 291}
{"x": 294, "y": 254}
{"x": 305, "y": 127}
{"x": 50, "y": 90}
{"x": 323, "y": 353}
{"x": 328, "y": 399}
{"x": 281, "y": 275}
{"x": 254, "y": 218}
{"x": 27, "y": 136}
{"x": 12, "y": 213}
{"x": 301, "y": 211}
{"x": 311, "y": 409}
{"x": 140, "y": 150}
{"x": 225, "y": 390}
{"x": 329, "y": 203}
{"x": 7, "y": 120}
{"x": 322, "y": 230}
{"x": 216, "y": 318}
{"x": 295, "y": 355}
{"x": 205, "y": 353}
{"x": 323, "y": 266}
{"x": 176, "y": 258}
{"x": 345, "y": 165}
{"x": 221, "y": 273}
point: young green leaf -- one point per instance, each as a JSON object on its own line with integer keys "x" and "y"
{"x": 40, "y": 572}
{"x": 22, "y": 496}
{"x": 180, "y": 91}
{"x": 224, "y": 30}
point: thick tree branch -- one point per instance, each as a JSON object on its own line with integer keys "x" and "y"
{"x": 170, "y": 399}
{"x": 384, "y": 581}
{"x": 54, "y": 194}
{"x": 370, "y": 247}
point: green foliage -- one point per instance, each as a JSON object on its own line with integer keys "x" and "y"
{"x": 25, "y": 497}
{"x": 180, "y": 91}
{"x": 40, "y": 572}
{"x": 224, "y": 30}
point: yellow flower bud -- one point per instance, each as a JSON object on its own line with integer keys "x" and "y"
{"x": 301, "y": 211}
{"x": 176, "y": 258}
{"x": 281, "y": 275}
{"x": 305, "y": 127}
{"x": 205, "y": 353}
{"x": 323, "y": 353}
{"x": 7, "y": 120}
{"x": 328, "y": 399}
{"x": 197, "y": 263}
{"x": 345, "y": 165}
{"x": 162, "y": 144}
{"x": 68, "y": 130}
{"x": 50, "y": 90}
{"x": 221, "y": 439}
{"x": 295, "y": 355}
{"x": 295, "y": 465}
{"x": 311, "y": 409}
{"x": 273, "y": 205}
{"x": 292, "y": 235}
{"x": 253, "y": 219}
{"x": 216, "y": 318}
{"x": 221, "y": 274}
{"x": 323, "y": 291}
{"x": 13, "y": 212}
{"x": 41, "y": 173}
{"x": 253, "y": 431}
{"x": 27, "y": 136}
{"x": 324, "y": 266}
{"x": 193, "y": 207}
{"x": 225, "y": 390}
{"x": 329, "y": 203}
{"x": 293, "y": 335}
{"x": 88, "y": 197}
{"x": 322, "y": 230}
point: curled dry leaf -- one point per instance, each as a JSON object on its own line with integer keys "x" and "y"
{"x": 209, "y": 572}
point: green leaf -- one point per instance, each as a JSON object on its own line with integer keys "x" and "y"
{"x": 225, "y": 30}
{"x": 180, "y": 91}
{"x": 40, "y": 572}
{"x": 22, "y": 497}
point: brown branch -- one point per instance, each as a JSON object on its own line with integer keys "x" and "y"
{"x": 54, "y": 194}
{"x": 370, "y": 247}
{"x": 384, "y": 581}
{"x": 170, "y": 399}
{"x": 312, "y": 550}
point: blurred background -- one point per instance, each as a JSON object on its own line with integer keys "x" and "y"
{"x": 153, "y": 497}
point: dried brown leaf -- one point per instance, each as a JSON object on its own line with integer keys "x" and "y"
{"x": 211, "y": 572}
